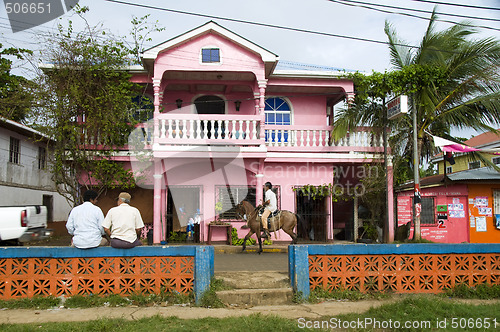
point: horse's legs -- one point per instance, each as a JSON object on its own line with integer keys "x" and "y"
{"x": 260, "y": 242}
{"x": 250, "y": 232}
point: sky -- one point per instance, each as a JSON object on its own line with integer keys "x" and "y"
{"x": 304, "y": 50}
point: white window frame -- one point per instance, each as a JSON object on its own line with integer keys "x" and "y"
{"x": 449, "y": 169}
{"x": 495, "y": 160}
{"x": 474, "y": 162}
{"x": 210, "y": 63}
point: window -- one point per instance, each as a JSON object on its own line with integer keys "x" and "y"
{"x": 277, "y": 112}
{"x": 230, "y": 196}
{"x": 210, "y": 55}
{"x": 474, "y": 164}
{"x": 42, "y": 154}
{"x": 449, "y": 169}
{"x": 14, "y": 151}
{"x": 428, "y": 208}
{"x": 495, "y": 160}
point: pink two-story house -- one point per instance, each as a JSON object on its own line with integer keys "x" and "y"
{"x": 226, "y": 120}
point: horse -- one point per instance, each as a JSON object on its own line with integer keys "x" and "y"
{"x": 287, "y": 221}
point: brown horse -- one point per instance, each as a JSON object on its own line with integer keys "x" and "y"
{"x": 287, "y": 221}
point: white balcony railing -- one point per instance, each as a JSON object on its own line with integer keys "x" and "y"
{"x": 209, "y": 129}
{"x": 243, "y": 130}
{"x": 319, "y": 137}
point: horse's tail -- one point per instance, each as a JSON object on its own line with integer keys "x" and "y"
{"x": 302, "y": 225}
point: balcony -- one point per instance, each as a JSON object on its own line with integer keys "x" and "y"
{"x": 247, "y": 131}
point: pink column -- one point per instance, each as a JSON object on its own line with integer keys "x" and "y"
{"x": 390, "y": 205}
{"x": 163, "y": 212}
{"x": 157, "y": 179}
{"x": 156, "y": 104}
{"x": 259, "y": 190}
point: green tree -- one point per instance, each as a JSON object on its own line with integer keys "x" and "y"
{"x": 16, "y": 96}
{"x": 86, "y": 106}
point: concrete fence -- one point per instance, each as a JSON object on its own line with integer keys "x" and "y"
{"x": 403, "y": 268}
{"x": 64, "y": 271}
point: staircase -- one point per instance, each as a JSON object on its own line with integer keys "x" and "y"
{"x": 256, "y": 288}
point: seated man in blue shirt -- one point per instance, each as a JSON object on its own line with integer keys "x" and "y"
{"x": 85, "y": 223}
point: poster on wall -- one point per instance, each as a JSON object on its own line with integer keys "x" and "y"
{"x": 480, "y": 224}
{"x": 481, "y": 201}
{"x": 487, "y": 211}
{"x": 472, "y": 222}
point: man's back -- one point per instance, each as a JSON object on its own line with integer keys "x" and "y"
{"x": 123, "y": 220}
{"x": 85, "y": 224}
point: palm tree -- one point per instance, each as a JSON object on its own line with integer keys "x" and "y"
{"x": 453, "y": 82}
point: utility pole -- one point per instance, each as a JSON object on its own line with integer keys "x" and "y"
{"x": 386, "y": 164}
{"x": 417, "y": 205}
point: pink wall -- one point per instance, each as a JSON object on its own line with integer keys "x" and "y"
{"x": 187, "y": 55}
{"x": 453, "y": 229}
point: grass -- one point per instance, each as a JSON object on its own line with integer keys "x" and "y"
{"x": 210, "y": 299}
{"x": 254, "y": 322}
{"x": 320, "y": 294}
{"x": 481, "y": 291}
{"x": 422, "y": 309}
{"x": 90, "y": 301}
{"x": 32, "y": 303}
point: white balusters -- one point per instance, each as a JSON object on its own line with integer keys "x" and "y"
{"x": 205, "y": 129}
{"x": 226, "y": 129}
{"x": 198, "y": 129}
{"x": 191, "y": 129}
{"x": 247, "y": 129}
{"x": 254, "y": 129}
{"x": 320, "y": 140}
{"x": 308, "y": 140}
{"x": 313, "y": 137}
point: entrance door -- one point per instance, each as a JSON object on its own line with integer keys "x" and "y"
{"x": 48, "y": 201}
{"x": 314, "y": 213}
{"x": 183, "y": 203}
{"x": 210, "y": 105}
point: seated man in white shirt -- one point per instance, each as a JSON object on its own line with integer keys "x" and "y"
{"x": 123, "y": 224}
{"x": 84, "y": 223}
{"x": 271, "y": 206}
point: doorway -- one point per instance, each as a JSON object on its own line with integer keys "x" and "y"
{"x": 315, "y": 216}
{"x": 183, "y": 203}
{"x": 48, "y": 201}
{"x": 210, "y": 105}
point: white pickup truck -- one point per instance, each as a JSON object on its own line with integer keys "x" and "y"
{"x": 21, "y": 224}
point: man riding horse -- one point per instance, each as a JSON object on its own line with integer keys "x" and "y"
{"x": 270, "y": 206}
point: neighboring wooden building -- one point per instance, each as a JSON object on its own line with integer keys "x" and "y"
{"x": 24, "y": 179}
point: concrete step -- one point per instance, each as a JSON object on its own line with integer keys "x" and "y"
{"x": 254, "y": 279}
{"x": 255, "y": 297}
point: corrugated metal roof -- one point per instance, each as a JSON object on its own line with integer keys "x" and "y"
{"x": 483, "y": 173}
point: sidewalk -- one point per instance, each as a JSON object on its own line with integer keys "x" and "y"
{"x": 18, "y": 316}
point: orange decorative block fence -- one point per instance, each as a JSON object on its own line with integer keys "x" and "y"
{"x": 406, "y": 268}
{"x": 44, "y": 271}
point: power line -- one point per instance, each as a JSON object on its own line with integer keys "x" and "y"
{"x": 422, "y": 11}
{"x": 341, "y": 2}
{"x": 267, "y": 25}
{"x": 457, "y": 5}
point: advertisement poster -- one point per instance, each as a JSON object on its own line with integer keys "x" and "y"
{"x": 481, "y": 201}
{"x": 480, "y": 224}
{"x": 487, "y": 211}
